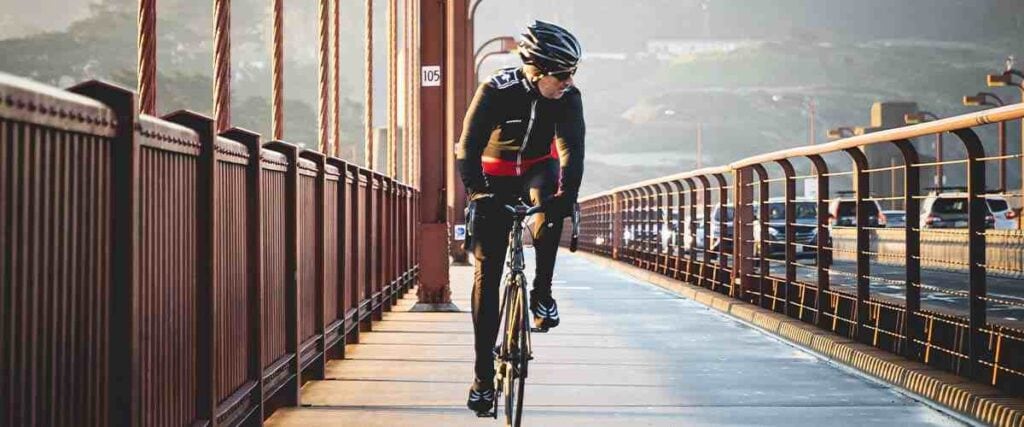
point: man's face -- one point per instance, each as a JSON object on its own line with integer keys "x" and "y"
{"x": 554, "y": 86}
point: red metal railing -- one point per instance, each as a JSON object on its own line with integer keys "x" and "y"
{"x": 155, "y": 273}
{"x": 946, "y": 297}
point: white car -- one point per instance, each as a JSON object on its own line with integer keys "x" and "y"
{"x": 949, "y": 210}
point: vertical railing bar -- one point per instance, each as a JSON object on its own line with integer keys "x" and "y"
{"x": 789, "y": 205}
{"x": 706, "y": 226}
{"x": 254, "y": 262}
{"x": 977, "y": 210}
{"x": 320, "y": 233}
{"x": 742, "y": 246}
{"x": 206, "y": 252}
{"x": 912, "y": 328}
{"x": 764, "y": 193}
{"x": 123, "y": 365}
{"x": 823, "y": 254}
{"x": 292, "y": 292}
{"x": 861, "y": 188}
{"x": 723, "y": 199}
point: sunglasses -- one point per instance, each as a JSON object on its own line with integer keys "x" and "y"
{"x": 563, "y": 75}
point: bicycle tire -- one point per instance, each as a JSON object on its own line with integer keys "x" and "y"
{"x": 515, "y": 340}
{"x": 510, "y": 347}
{"x": 519, "y": 379}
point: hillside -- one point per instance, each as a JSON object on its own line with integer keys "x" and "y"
{"x": 754, "y": 99}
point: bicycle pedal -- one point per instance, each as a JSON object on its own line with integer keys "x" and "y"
{"x": 539, "y": 330}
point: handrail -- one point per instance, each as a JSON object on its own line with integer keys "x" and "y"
{"x": 678, "y": 176}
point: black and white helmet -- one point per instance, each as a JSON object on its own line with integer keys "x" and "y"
{"x": 550, "y": 47}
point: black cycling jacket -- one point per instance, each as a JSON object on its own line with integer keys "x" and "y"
{"x": 510, "y": 127}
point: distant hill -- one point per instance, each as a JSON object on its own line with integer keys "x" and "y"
{"x": 755, "y": 99}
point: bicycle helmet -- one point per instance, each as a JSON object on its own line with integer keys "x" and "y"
{"x": 550, "y": 47}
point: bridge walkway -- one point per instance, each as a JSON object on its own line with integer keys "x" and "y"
{"x": 627, "y": 353}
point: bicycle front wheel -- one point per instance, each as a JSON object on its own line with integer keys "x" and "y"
{"x": 515, "y": 381}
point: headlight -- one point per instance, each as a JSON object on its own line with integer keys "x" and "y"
{"x": 774, "y": 233}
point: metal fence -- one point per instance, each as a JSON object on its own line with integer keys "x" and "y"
{"x": 155, "y": 273}
{"x": 802, "y": 232}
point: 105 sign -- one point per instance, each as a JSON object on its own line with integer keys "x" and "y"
{"x": 431, "y": 75}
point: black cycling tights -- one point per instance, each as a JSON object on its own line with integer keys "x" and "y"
{"x": 490, "y": 244}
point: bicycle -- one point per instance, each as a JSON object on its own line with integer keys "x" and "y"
{"x": 513, "y": 355}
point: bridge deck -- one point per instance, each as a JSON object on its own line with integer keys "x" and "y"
{"x": 627, "y": 353}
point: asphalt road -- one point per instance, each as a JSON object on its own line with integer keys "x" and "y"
{"x": 1009, "y": 291}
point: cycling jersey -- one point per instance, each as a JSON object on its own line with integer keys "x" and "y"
{"x": 510, "y": 128}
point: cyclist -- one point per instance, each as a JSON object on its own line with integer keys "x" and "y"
{"x": 522, "y": 137}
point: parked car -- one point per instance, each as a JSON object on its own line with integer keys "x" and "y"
{"x": 696, "y": 240}
{"x": 949, "y": 210}
{"x": 843, "y": 213}
{"x": 895, "y": 218}
{"x": 725, "y": 241}
{"x": 805, "y": 228}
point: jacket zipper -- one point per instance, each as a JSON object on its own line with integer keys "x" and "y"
{"x": 526, "y": 138}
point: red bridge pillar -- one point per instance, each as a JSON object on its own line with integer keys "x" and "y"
{"x": 434, "y": 292}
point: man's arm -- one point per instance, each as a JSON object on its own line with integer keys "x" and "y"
{"x": 476, "y": 132}
{"x": 570, "y": 133}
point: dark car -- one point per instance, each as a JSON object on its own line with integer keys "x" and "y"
{"x": 805, "y": 228}
{"x": 894, "y": 218}
{"x": 843, "y": 213}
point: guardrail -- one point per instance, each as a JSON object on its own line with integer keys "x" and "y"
{"x": 155, "y": 273}
{"x": 789, "y": 252}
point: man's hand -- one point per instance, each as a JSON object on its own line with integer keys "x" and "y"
{"x": 559, "y": 206}
{"x": 483, "y": 201}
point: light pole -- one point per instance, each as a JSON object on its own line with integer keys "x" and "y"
{"x": 990, "y": 99}
{"x": 1007, "y": 79}
{"x": 700, "y": 145}
{"x": 921, "y": 117}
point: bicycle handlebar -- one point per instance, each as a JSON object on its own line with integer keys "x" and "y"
{"x": 575, "y": 239}
{"x": 523, "y": 210}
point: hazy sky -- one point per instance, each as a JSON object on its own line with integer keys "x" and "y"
{"x": 22, "y": 16}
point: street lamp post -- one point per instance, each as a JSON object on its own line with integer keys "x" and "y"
{"x": 921, "y": 117}
{"x": 1007, "y": 79}
{"x": 992, "y": 100}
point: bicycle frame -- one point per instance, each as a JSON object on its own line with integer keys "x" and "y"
{"x": 515, "y": 279}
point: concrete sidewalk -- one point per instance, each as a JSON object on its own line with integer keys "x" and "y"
{"x": 627, "y": 353}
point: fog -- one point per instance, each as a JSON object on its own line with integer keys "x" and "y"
{"x": 743, "y": 71}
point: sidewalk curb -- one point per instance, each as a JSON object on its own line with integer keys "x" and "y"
{"x": 977, "y": 401}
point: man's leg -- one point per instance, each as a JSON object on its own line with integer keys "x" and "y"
{"x": 490, "y": 241}
{"x": 546, "y": 235}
